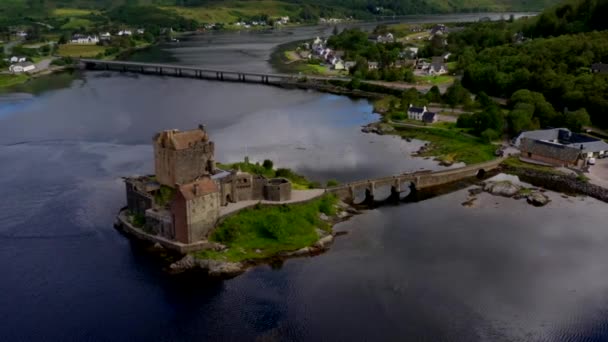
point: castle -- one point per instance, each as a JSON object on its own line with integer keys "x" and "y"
{"x": 182, "y": 201}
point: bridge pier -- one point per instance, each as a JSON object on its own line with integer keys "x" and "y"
{"x": 124, "y": 68}
{"x": 107, "y": 66}
{"x": 160, "y": 71}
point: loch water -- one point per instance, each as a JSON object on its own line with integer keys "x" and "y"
{"x": 428, "y": 271}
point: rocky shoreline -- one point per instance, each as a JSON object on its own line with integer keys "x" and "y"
{"x": 505, "y": 188}
{"x": 227, "y": 269}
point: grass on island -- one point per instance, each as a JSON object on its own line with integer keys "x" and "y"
{"x": 264, "y": 231}
{"x": 7, "y": 80}
{"x": 298, "y": 182}
{"x": 80, "y": 50}
{"x": 450, "y": 145}
{"x": 231, "y": 11}
{"x": 513, "y": 164}
{"x": 435, "y": 80}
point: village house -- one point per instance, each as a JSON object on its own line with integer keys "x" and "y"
{"x": 105, "y": 36}
{"x": 409, "y": 53}
{"x": 182, "y": 201}
{"x": 141, "y": 31}
{"x": 437, "y": 67}
{"x": 600, "y": 68}
{"x": 349, "y": 65}
{"x": 339, "y": 65}
{"x": 17, "y": 59}
{"x": 21, "y": 67}
{"x": 84, "y": 39}
{"x": 421, "y": 114}
{"x": 124, "y": 33}
{"x": 382, "y": 39}
{"x": 446, "y": 56}
{"x": 587, "y": 146}
{"x": 550, "y": 153}
{"x": 372, "y": 65}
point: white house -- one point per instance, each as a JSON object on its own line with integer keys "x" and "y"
{"x": 339, "y": 65}
{"x": 21, "y": 67}
{"x": 421, "y": 114}
{"x": 21, "y": 34}
{"x": 84, "y": 39}
{"x": 372, "y": 65}
{"x": 141, "y": 31}
{"x": 17, "y": 59}
{"x": 349, "y": 65}
{"x": 437, "y": 69}
{"x": 105, "y": 36}
{"x": 317, "y": 41}
{"x": 124, "y": 33}
{"x": 284, "y": 20}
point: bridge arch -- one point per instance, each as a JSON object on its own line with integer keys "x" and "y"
{"x": 480, "y": 173}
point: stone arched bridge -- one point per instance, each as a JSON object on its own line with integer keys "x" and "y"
{"x": 414, "y": 181}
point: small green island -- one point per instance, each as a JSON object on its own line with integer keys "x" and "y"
{"x": 224, "y": 218}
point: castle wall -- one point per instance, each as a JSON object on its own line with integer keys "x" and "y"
{"x": 277, "y": 190}
{"x": 257, "y": 190}
{"x": 185, "y": 165}
{"x": 160, "y": 222}
{"x": 137, "y": 202}
{"x": 202, "y": 215}
{"x": 243, "y": 187}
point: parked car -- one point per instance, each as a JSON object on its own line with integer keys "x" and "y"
{"x": 591, "y": 161}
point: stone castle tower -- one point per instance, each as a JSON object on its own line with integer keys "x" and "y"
{"x": 182, "y": 157}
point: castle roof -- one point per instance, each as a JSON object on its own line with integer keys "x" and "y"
{"x": 178, "y": 140}
{"x": 198, "y": 188}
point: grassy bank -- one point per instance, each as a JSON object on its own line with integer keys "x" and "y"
{"x": 298, "y": 182}
{"x": 232, "y": 11}
{"x": 513, "y": 164}
{"x": 80, "y": 50}
{"x": 8, "y": 80}
{"x": 450, "y": 145}
{"x": 264, "y": 231}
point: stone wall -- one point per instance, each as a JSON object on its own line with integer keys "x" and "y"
{"x": 243, "y": 184}
{"x": 160, "y": 222}
{"x": 137, "y": 202}
{"x": 183, "y": 166}
{"x": 257, "y": 190}
{"x": 560, "y": 183}
{"x": 203, "y": 213}
{"x": 278, "y": 189}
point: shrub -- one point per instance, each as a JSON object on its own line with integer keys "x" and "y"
{"x": 332, "y": 182}
{"x": 139, "y": 220}
{"x": 326, "y": 205}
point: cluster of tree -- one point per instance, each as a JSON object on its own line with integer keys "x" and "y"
{"x": 572, "y": 16}
{"x": 528, "y": 110}
{"x": 559, "y": 68}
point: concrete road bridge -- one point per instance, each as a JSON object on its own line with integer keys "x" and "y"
{"x": 412, "y": 181}
{"x": 198, "y": 72}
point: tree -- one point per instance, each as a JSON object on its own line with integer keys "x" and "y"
{"x": 267, "y": 164}
{"x": 456, "y": 94}
{"x": 576, "y": 120}
{"x": 433, "y": 95}
{"x": 335, "y": 31}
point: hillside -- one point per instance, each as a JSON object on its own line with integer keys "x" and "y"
{"x": 206, "y": 11}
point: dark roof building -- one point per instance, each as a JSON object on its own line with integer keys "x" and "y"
{"x": 599, "y": 68}
{"x": 429, "y": 117}
{"x": 549, "y": 153}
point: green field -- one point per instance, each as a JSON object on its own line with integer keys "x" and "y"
{"x": 264, "y": 231}
{"x": 80, "y": 50}
{"x": 76, "y": 24}
{"x": 72, "y": 12}
{"x": 7, "y": 80}
{"x": 451, "y": 145}
{"x": 435, "y": 80}
{"x": 231, "y": 11}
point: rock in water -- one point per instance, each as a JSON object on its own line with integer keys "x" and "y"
{"x": 537, "y": 199}
{"x": 505, "y": 188}
{"x": 323, "y": 217}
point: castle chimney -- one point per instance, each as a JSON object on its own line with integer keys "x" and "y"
{"x": 201, "y": 127}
